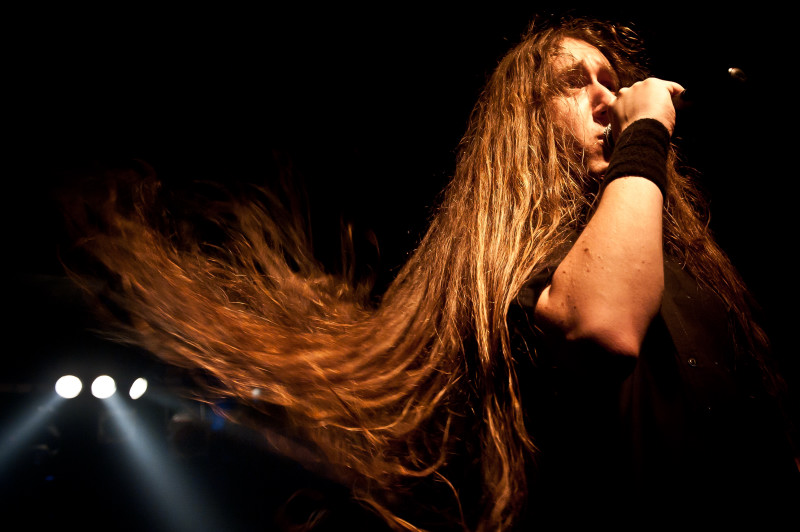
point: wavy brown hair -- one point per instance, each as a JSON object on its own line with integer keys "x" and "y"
{"x": 386, "y": 397}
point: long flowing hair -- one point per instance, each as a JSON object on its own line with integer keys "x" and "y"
{"x": 383, "y": 396}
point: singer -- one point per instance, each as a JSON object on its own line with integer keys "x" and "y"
{"x": 567, "y": 343}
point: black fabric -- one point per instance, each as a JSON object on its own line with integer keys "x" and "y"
{"x": 641, "y": 151}
{"x": 684, "y": 431}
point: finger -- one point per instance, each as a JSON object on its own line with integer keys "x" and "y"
{"x": 675, "y": 89}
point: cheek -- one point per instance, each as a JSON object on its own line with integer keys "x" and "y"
{"x": 569, "y": 116}
{"x": 563, "y": 112}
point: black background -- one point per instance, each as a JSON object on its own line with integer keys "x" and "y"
{"x": 368, "y": 105}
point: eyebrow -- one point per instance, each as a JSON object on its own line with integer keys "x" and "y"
{"x": 581, "y": 65}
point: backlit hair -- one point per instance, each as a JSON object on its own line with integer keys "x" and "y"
{"x": 385, "y": 397}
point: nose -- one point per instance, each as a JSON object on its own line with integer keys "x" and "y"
{"x": 602, "y": 98}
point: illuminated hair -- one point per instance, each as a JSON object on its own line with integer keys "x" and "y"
{"x": 383, "y": 396}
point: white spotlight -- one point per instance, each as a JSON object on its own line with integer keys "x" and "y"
{"x": 138, "y": 388}
{"x": 103, "y": 387}
{"x": 68, "y": 386}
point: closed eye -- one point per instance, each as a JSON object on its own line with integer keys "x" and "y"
{"x": 608, "y": 78}
{"x": 576, "y": 77}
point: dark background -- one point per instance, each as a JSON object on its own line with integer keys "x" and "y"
{"x": 367, "y": 105}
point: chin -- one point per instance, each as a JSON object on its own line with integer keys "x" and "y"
{"x": 598, "y": 167}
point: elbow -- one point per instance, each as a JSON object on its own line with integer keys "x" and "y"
{"x": 612, "y": 337}
{"x": 614, "y": 333}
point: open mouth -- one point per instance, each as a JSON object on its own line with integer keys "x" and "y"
{"x": 607, "y": 137}
{"x": 607, "y": 143}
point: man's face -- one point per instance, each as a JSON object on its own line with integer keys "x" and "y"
{"x": 582, "y": 108}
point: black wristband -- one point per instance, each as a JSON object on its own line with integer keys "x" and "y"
{"x": 641, "y": 151}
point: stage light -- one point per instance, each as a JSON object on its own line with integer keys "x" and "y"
{"x": 138, "y": 388}
{"x": 103, "y": 387}
{"x": 68, "y": 386}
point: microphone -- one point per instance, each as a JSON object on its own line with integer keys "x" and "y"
{"x": 687, "y": 97}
